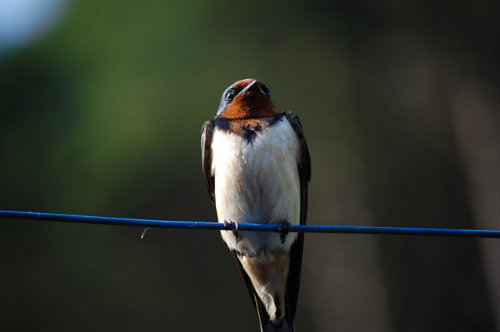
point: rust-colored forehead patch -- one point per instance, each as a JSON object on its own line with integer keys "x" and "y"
{"x": 244, "y": 83}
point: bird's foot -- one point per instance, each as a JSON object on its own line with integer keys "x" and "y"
{"x": 234, "y": 226}
{"x": 284, "y": 228}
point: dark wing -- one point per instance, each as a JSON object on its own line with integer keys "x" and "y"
{"x": 304, "y": 165}
{"x": 206, "y": 156}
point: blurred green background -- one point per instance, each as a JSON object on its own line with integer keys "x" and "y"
{"x": 101, "y": 108}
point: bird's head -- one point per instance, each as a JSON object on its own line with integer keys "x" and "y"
{"x": 248, "y": 98}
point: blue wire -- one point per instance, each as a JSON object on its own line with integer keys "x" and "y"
{"x": 76, "y": 218}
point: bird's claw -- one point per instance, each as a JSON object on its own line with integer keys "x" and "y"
{"x": 283, "y": 229}
{"x": 234, "y": 226}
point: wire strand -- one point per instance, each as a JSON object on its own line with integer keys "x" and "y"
{"x": 210, "y": 225}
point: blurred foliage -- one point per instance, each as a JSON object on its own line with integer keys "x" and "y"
{"x": 102, "y": 116}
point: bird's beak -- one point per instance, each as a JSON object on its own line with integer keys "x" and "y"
{"x": 252, "y": 86}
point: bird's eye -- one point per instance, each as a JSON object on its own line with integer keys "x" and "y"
{"x": 230, "y": 94}
{"x": 265, "y": 90}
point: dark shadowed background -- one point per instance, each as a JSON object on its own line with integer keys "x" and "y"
{"x": 101, "y": 108}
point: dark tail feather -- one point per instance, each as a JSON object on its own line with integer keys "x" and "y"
{"x": 285, "y": 326}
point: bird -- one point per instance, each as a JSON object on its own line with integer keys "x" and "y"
{"x": 257, "y": 169}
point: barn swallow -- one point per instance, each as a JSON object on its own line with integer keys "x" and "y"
{"x": 257, "y": 169}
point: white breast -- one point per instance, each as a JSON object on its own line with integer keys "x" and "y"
{"x": 257, "y": 182}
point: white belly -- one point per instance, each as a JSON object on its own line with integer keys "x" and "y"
{"x": 257, "y": 182}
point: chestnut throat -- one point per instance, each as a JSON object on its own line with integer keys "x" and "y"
{"x": 246, "y": 107}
